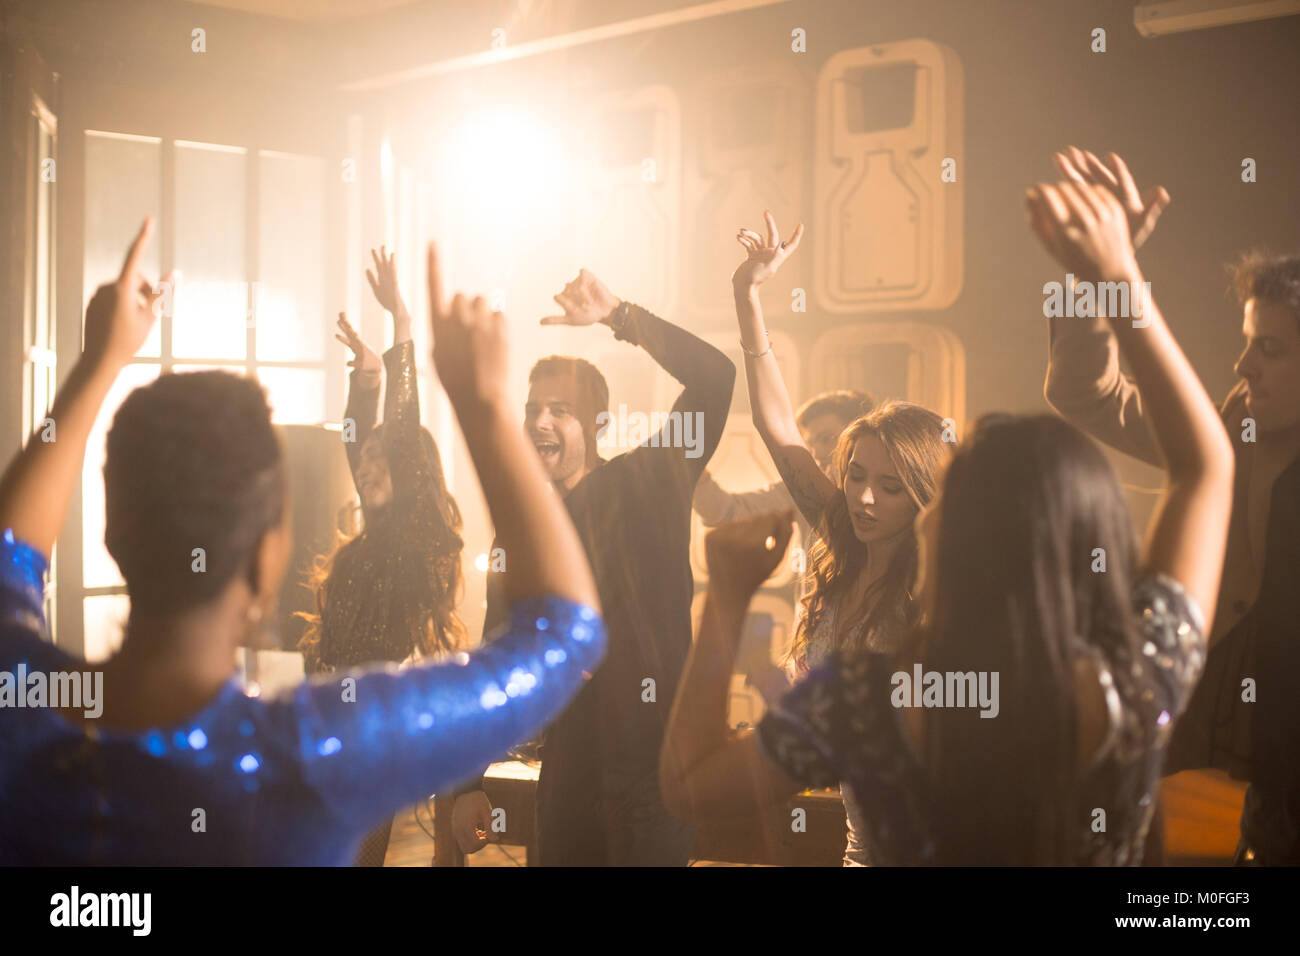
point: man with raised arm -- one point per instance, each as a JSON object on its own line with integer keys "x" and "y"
{"x": 598, "y": 799}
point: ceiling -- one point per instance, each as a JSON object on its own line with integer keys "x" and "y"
{"x": 309, "y": 11}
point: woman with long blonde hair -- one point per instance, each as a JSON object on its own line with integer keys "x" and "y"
{"x": 886, "y": 465}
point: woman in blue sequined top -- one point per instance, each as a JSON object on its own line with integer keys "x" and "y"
{"x": 1026, "y": 720}
{"x": 163, "y": 758}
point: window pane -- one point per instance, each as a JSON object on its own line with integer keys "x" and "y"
{"x": 291, "y": 321}
{"x": 97, "y": 567}
{"x": 105, "y": 620}
{"x": 212, "y": 301}
{"x": 297, "y": 396}
{"x": 123, "y": 185}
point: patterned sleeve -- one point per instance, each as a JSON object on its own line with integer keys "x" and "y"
{"x": 799, "y": 733}
{"x": 389, "y": 739}
{"x": 1173, "y": 649}
{"x": 411, "y": 469}
{"x": 361, "y": 411}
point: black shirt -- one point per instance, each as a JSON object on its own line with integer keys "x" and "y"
{"x": 633, "y": 515}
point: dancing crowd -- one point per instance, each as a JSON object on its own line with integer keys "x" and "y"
{"x": 987, "y": 661}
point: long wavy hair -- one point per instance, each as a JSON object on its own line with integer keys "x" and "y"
{"x": 912, "y": 436}
{"x": 1025, "y": 504}
{"x": 418, "y": 602}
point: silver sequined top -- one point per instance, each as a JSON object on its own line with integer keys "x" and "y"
{"x": 838, "y": 724}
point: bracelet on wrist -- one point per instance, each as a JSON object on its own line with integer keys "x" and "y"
{"x": 767, "y": 336}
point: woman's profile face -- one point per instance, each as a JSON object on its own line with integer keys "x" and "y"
{"x": 373, "y": 479}
{"x": 879, "y": 505}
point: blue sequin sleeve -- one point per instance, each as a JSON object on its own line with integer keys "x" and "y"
{"x": 22, "y": 583}
{"x": 373, "y": 742}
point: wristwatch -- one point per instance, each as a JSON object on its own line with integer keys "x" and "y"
{"x": 620, "y": 320}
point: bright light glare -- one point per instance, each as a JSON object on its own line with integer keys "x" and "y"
{"x": 505, "y": 165}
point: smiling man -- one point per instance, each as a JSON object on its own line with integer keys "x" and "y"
{"x": 598, "y": 800}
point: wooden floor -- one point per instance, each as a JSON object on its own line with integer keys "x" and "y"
{"x": 1202, "y": 810}
{"x": 410, "y": 845}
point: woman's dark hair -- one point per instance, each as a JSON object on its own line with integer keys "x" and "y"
{"x": 1020, "y": 591}
{"x": 192, "y": 462}
{"x": 414, "y": 608}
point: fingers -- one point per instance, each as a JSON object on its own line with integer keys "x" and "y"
{"x": 793, "y": 242}
{"x": 379, "y": 263}
{"x": 568, "y": 300}
{"x": 1079, "y": 200}
{"x": 435, "y": 282}
{"x": 1127, "y": 187}
{"x": 1102, "y": 174}
{"x": 135, "y": 255}
{"x": 1066, "y": 165}
{"x": 1154, "y": 200}
{"x": 773, "y": 235}
{"x": 374, "y": 285}
{"x": 1054, "y": 203}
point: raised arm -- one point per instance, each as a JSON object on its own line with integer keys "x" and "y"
{"x": 1085, "y": 229}
{"x": 455, "y": 718}
{"x": 546, "y": 557}
{"x": 706, "y": 374}
{"x": 768, "y": 398}
{"x": 705, "y": 770}
{"x": 39, "y": 482}
{"x": 363, "y": 394}
{"x": 1084, "y": 381}
{"x": 717, "y": 506}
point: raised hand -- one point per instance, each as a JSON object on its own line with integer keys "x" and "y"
{"x": 383, "y": 280}
{"x": 1084, "y": 228}
{"x": 765, "y": 255}
{"x": 743, "y": 554}
{"x": 469, "y": 344}
{"x": 585, "y": 301}
{"x": 383, "y": 283}
{"x": 122, "y": 313}
{"x": 1143, "y": 209}
{"x": 364, "y": 360}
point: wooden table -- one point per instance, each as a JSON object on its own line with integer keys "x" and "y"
{"x": 768, "y": 839}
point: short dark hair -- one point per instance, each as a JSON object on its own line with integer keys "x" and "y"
{"x": 593, "y": 390}
{"x": 845, "y": 403}
{"x": 1268, "y": 278}
{"x": 192, "y": 462}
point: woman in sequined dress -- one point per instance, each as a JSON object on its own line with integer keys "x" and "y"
{"x": 1056, "y": 658}
{"x": 389, "y": 593}
{"x": 174, "y": 763}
